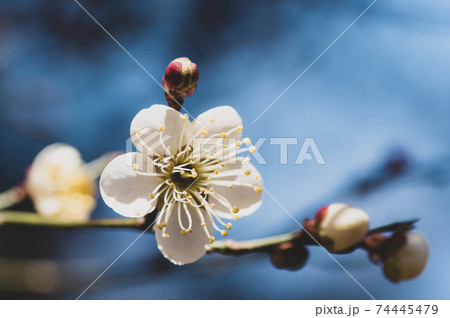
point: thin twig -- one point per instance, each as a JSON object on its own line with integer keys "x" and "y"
{"x": 11, "y": 197}
{"x": 34, "y": 219}
{"x": 237, "y": 248}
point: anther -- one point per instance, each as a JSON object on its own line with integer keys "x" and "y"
{"x": 235, "y": 209}
{"x": 247, "y": 141}
{"x": 252, "y": 149}
{"x": 183, "y": 232}
{"x": 228, "y": 226}
{"x": 211, "y": 240}
{"x": 239, "y": 128}
{"x": 223, "y": 135}
{"x": 257, "y": 189}
{"x": 247, "y": 172}
{"x": 224, "y": 233}
{"x": 162, "y": 128}
{"x": 230, "y": 186}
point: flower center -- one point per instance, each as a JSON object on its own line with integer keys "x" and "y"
{"x": 183, "y": 179}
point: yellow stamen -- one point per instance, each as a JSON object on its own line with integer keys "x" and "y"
{"x": 257, "y": 189}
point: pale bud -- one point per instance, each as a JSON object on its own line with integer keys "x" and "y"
{"x": 409, "y": 260}
{"x": 341, "y": 224}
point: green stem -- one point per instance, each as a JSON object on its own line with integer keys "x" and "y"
{"x": 231, "y": 247}
{"x": 34, "y": 219}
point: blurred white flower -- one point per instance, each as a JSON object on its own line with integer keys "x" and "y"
{"x": 188, "y": 171}
{"x": 343, "y": 224}
{"x": 408, "y": 261}
{"x": 59, "y": 185}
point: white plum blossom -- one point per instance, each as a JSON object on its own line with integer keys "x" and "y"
{"x": 59, "y": 184}
{"x": 343, "y": 224}
{"x": 190, "y": 172}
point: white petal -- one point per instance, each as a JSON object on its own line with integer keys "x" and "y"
{"x": 124, "y": 190}
{"x": 186, "y": 249}
{"x": 47, "y": 206}
{"x": 156, "y": 126}
{"x": 218, "y": 120}
{"x": 242, "y": 194}
{"x": 59, "y": 155}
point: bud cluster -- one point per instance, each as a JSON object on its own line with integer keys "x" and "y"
{"x": 342, "y": 228}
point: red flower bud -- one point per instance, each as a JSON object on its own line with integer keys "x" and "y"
{"x": 289, "y": 255}
{"x": 180, "y": 79}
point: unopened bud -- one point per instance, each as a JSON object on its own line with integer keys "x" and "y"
{"x": 289, "y": 255}
{"x": 342, "y": 225}
{"x": 180, "y": 79}
{"x": 409, "y": 260}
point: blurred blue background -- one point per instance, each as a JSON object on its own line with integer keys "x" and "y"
{"x": 379, "y": 97}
